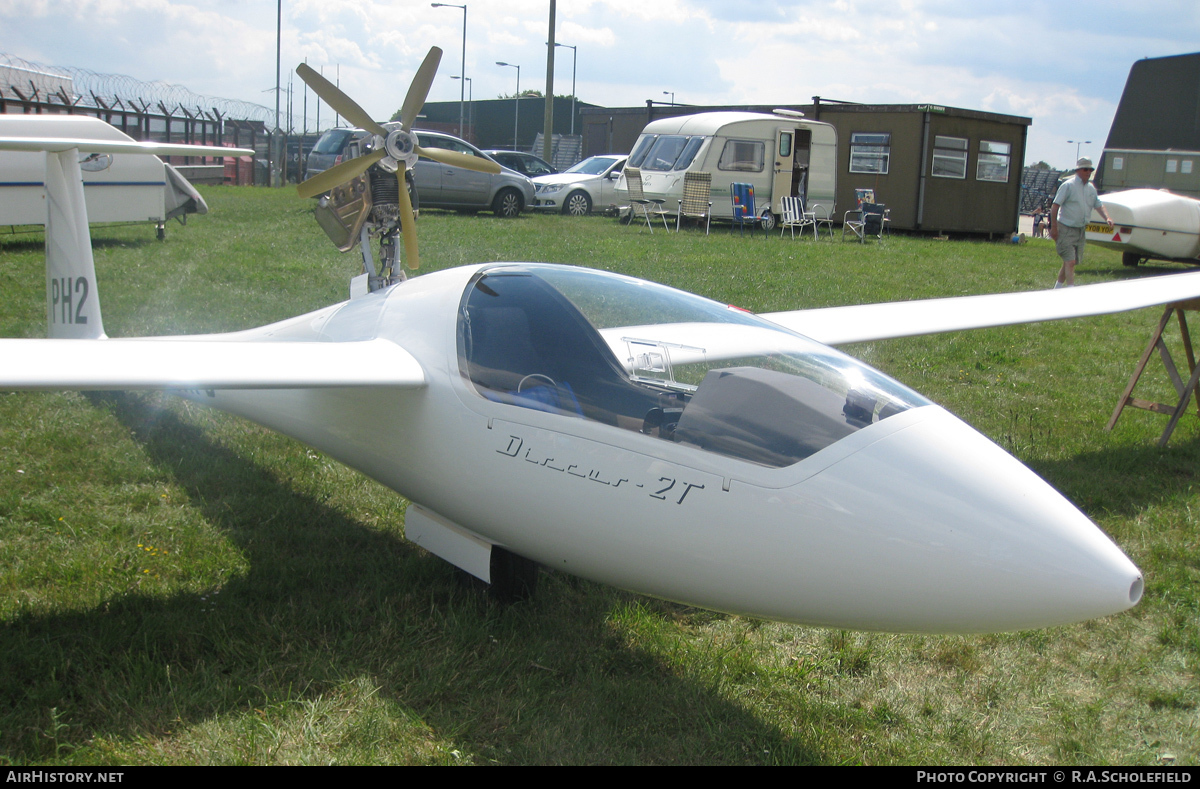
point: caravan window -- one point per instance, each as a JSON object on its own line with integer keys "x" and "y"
{"x": 689, "y": 153}
{"x": 641, "y": 149}
{"x": 664, "y": 153}
{"x": 743, "y": 156}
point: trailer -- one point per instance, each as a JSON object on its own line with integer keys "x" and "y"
{"x": 117, "y": 187}
{"x": 1149, "y": 224}
{"x": 780, "y": 155}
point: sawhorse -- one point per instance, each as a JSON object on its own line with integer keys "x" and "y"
{"x": 1186, "y": 391}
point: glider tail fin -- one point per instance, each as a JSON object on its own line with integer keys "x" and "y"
{"x": 72, "y": 299}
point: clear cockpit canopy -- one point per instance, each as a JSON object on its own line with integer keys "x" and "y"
{"x": 652, "y": 359}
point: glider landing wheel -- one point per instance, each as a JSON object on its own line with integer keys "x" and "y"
{"x": 1131, "y": 259}
{"x": 514, "y": 578}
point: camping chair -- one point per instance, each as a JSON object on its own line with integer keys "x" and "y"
{"x": 696, "y": 202}
{"x": 639, "y": 201}
{"x": 794, "y": 216}
{"x": 821, "y": 216}
{"x": 742, "y": 198}
{"x": 868, "y": 220}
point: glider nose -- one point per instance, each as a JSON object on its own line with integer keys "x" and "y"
{"x": 964, "y": 538}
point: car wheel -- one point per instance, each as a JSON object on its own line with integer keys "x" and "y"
{"x": 1130, "y": 259}
{"x": 508, "y": 204}
{"x": 577, "y": 204}
{"x": 768, "y": 221}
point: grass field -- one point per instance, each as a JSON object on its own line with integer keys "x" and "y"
{"x": 179, "y": 586}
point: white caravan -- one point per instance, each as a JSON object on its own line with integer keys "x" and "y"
{"x": 781, "y": 155}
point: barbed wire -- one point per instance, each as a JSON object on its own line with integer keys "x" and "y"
{"x": 88, "y": 86}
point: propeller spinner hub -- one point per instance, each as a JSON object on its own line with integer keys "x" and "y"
{"x": 401, "y": 145}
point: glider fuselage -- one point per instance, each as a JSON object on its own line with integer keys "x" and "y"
{"x": 915, "y": 522}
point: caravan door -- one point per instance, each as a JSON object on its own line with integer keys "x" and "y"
{"x": 785, "y": 152}
{"x": 790, "y": 179}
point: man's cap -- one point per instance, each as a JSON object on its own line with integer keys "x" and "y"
{"x": 1084, "y": 163}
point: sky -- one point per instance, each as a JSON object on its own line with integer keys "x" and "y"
{"x": 1063, "y": 64}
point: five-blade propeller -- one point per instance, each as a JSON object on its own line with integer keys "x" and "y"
{"x": 394, "y": 146}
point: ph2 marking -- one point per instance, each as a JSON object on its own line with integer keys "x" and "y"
{"x": 66, "y": 293}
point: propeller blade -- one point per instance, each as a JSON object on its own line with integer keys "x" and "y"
{"x": 341, "y": 103}
{"x": 463, "y": 160}
{"x": 335, "y": 176}
{"x": 419, "y": 89}
{"x": 408, "y": 226}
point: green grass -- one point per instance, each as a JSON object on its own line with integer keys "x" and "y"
{"x": 180, "y": 586}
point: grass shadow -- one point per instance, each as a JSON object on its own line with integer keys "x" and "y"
{"x": 1126, "y": 480}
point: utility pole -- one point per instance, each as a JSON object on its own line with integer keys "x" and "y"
{"x": 548, "y": 126}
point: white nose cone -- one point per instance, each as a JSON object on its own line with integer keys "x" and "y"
{"x": 950, "y": 533}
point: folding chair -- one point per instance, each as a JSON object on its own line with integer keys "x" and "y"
{"x": 869, "y": 220}
{"x": 794, "y": 216}
{"x": 696, "y": 202}
{"x": 638, "y": 199}
{"x": 821, "y": 216}
{"x": 742, "y": 198}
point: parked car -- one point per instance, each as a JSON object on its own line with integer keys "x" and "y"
{"x": 330, "y": 150}
{"x": 524, "y": 163}
{"x": 506, "y": 194}
{"x": 590, "y": 183}
{"x": 437, "y": 185}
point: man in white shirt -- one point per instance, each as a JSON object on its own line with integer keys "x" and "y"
{"x": 1069, "y": 216}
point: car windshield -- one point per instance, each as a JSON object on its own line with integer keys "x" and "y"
{"x": 657, "y": 361}
{"x": 596, "y": 165}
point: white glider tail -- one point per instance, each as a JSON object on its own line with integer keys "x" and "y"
{"x": 72, "y": 300}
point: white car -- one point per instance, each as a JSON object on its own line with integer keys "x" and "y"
{"x": 590, "y": 183}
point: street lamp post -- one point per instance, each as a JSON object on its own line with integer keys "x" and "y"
{"x": 670, "y": 93}
{"x": 470, "y": 101}
{"x": 463, "y": 68}
{"x": 574, "y": 53}
{"x": 516, "y": 101}
{"x": 1078, "y": 143}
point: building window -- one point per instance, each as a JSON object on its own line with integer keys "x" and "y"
{"x": 949, "y": 157}
{"x": 1172, "y": 165}
{"x": 1186, "y": 167}
{"x": 1118, "y": 162}
{"x": 993, "y": 161}
{"x": 870, "y": 152}
{"x": 742, "y": 156}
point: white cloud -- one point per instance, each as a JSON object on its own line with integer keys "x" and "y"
{"x": 1050, "y": 62}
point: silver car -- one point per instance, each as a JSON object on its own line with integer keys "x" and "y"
{"x": 576, "y": 191}
{"x": 442, "y": 186}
